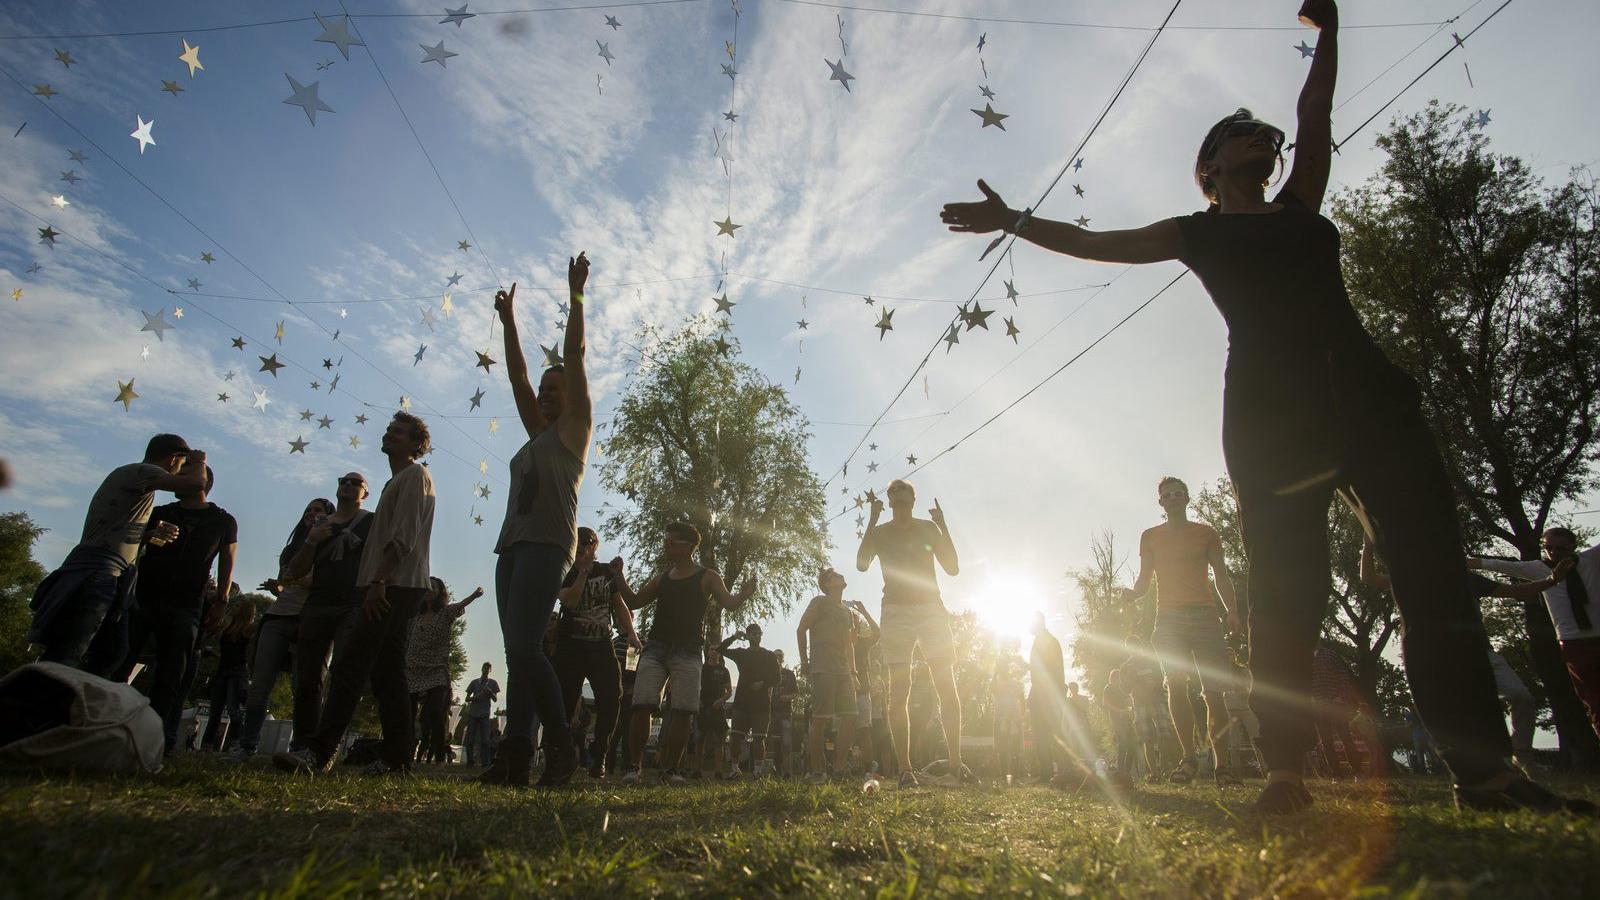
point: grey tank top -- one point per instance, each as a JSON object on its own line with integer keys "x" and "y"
{"x": 542, "y": 507}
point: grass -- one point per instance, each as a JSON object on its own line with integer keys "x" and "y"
{"x": 201, "y": 829}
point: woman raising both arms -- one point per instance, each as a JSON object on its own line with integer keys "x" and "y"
{"x": 1311, "y": 407}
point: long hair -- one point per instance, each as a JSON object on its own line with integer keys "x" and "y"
{"x": 238, "y": 618}
{"x": 1208, "y": 149}
{"x": 297, "y": 537}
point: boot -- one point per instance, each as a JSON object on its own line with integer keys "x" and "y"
{"x": 560, "y": 763}
{"x": 510, "y": 766}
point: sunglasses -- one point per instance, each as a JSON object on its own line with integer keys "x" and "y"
{"x": 584, "y": 542}
{"x": 1246, "y": 128}
{"x": 348, "y": 481}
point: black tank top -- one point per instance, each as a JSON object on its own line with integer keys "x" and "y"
{"x": 681, "y": 605}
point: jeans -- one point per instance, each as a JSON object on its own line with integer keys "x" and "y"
{"x": 90, "y": 634}
{"x": 1379, "y": 454}
{"x": 479, "y": 740}
{"x": 375, "y": 650}
{"x": 275, "y": 639}
{"x": 432, "y": 711}
{"x": 227, "y": 692}
{"x": 176, "y": 632}
{"x": 526, "y": 580}
{"x": 596, "y": 661}
{"x": 323, "y": 630}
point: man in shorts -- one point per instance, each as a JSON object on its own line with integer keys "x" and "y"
{"x": 1189, "y": 638}
{"x": 914, "y": 615}
{"x": 827, "y": 659}
{"x": 759, "y": 673}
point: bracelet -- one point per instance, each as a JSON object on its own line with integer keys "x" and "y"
{"x": 1023, "y": 223}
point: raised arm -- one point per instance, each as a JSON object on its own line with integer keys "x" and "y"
{"x": 725, "y": 598}
{"x": 460, "y": 606}
{"x": 191, "y": 479}
{"x": 1530, "y": 590}
{"x": 646, "y": 595}
{"x": 872, "y": 623}
{"x": 533, "y": 420}
{"x": 577, "y": 414}
{"x": 1369, "y": 568}
{"x": 1313, "y": 138}
{"x": 944, "y": 547}
{"x": 620, "y": 578}
{"x": 869, "y": 548}
{"x": 1155, "y": 242}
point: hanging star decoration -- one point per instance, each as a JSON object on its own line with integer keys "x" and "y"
{"x": 222, "y": 398}
{"x": 952, "y": 337}
{"x": 477, "y": 520}
{"x": 177, "y": 312}
{"x": 885, "y": 323}
{"x": 978, "y": 317}
{"x": 839, "y": 74}
{"x": 157, "y": 323}
{"x": 171, "y": 87}
{"x": 306, "y": 414}
{"x": 261, "y": 400}
{"x": 483, "y": 467}
{"x": 1481, "y": 119}
{"x": 476, "y": 400}
{"x": 316, "y": 385}
{"x": 911, "y": 460}
{"x": 873, "y": 447}
{"x": 724, "y": 305}
{"x": 144, "y": 352}
{"x": 78, "y": 156}
{"x": 872, "y": 467}
{"x": 48, "y": 235}
{"x": 1012, "y": 330}
{"x": 721, "y": 151}
{"x": 33, "y": 268}
{"x": 355, "y": 442}
{"x": 405, "y": 402}
{"x": 802, "y": 324}
{"x": 278, "y": 334}
{"x": 45, "y": 91}
{"x": 463, "y": 245}
{"x": 125, "y": 395}
{"x": 452, "y": 280}
{"x": 71, "y": 176}
{"x": 437, "y": 53}
{"x": 270, "y": 364}
{"x": 612, "y": 21}
{"x": 305, "y": 97}
{"x": 731, "y": 116}
{"x": 457, "y": 16}
{"x": 721, "y": 345}
{"x": 990, "y": 117}
{"x": 726, "y": 227}
{"x": 484, "y": 362}
{"x": 229, "y": 376}
{"x": 361, "y": 419}
{"x": 16, "y": 294}
{"x": 191, "y": 58}
{"x": 238, "y": 343}
{"x": 605, "y": 52}
{"x": 1306, "y": 50}
{"x": 65, "y": 58}
{"x": 551, "y": 357}
{"x": 298, "y": 445}
{"x": 325, "y": 422}
{"x": 1081, "y": 221}
{"x": 325, "y": 65}
{"x": 334, "y": 384}
{"x": 729, "y": 71}
{"x": 986, "y": 92}
{"x": 1077, "y": 164}
{"x": 448, "y": 305}
{"x": 207, "y": 258}
{"x": 194, "y": 284}
{"x": 1011, "y": 292}
{"x": 494, "y": 426}
{"x": 1078, "y": 189}
{"x": 343, "y": 314}
{"x": 142, "y": 133}
{"x": 337, "y": 33}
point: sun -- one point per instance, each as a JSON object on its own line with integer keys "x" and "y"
{"x": 1006, "y": 604}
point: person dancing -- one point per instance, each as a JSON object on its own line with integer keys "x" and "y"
{"x": 539, "y": 539}
{"x": 1312, "y": 406}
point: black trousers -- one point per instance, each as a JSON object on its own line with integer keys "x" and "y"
{"x": 175, "y": 631}
{"x": 324, "y": 630}
{"x": 374, "y": 651}
{"x": 1368, "y": 441}
{"x": 430, "y": 709}
{"x": 596, "y": 661}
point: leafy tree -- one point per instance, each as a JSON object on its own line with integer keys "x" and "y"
{"x": 19, "y": 575}
{"x": 1485, "y": 285}
{"x": 700, "y": 436}
{"x": 1104, "y": 621}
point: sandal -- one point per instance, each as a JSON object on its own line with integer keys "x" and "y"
{"x": 1185, "y": 771}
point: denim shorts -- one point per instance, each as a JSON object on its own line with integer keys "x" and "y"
{"x": 1190, "y": 643}
{"x": 908, "y": 625}
{"x": 662, "y": 664}
{"x": 832, "y": 695}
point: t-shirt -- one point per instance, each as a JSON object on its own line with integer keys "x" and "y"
{"x": 714, "y": 682}
{"x": 428, "y": 652}
{"x": 589, "y": 619}
{"x": 337, "y": 562}
{"x": 174, "y": 576}
{"x": 832, "y": 628}
{"x": 783, "y": 697}
{"x": 404, "y": 517}
{"x": 233, "y": 653}
{"x": 1177, "y": 551}
{"x": 481, "y": 693}
{"x": 542, "y": 505}
{"x": 1046, "y": 664}
{"x": 120, "y": 508}
{"x": 905, "y": 553}
{"x": 1142, "y": 677}
{"x": 758, "y": 674}
{"x": 1557, "y": 599}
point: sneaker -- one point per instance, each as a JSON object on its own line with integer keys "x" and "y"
{"x": 908, "y": 779}
{"x": 1521, "y": 793}
{"x": 561, "y": 763}
{"x": 671, "y": 776}
{"x": 302, "y": 761}
{"x": 816, "y": 778}
{"x": 632, "y": 776}
{"x": 598, "y": 771}
{"x": 237, "y": 756}
{"x": 1284, "y": 798}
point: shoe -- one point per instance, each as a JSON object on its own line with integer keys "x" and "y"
{"x": 632, "y": 776}
{"x": 303, "y": 761}
{"x": 816, "y": 778}
{"x": 237, "y": 756}
{"x": 1283, "y": 798}
{"x": 380, "y": 769}
{"x": 1185, "y": 771}
{"x": 671, "y": 776}
{"x": 561, "y": 763}
{"x": 510, "y": 766}
{"x": 1521, "y": 793}
{"x": 908, "y": 779}
{"x": 598, "y": 771}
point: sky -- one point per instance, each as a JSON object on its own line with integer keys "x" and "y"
{"x": 529, "y": 145}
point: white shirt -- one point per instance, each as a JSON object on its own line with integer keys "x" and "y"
{"x": 404, "y": 518}
{"x": 1555, "y": 597}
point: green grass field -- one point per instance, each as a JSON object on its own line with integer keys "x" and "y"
{"x": 200, "y": 829}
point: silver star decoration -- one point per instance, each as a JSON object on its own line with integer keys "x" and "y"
{"x": 343, "y": 314}
{"x": 417, "y": 357}
{"x": 484, "y": 362}
{"x": 802, "y": 324}
{"x": 551, "y": 357}
{"x": 261, "y": 400}
{"x": 229, "y": 376}
{"x": 1077, "y": 164}
{"x": 722, "y": 152}
{"x": 871, "y": 467}
{"x": 990, "y": 117}
{"x": 142, "y": 133}
{"x": 177, "y": 312}
{"x": 157, "y": 323}
{"x": 724, "y": 305}
{"x": 452, "y": 280}
{"x": 869, "y": 301}
{"x": 952, "y": 337}
{"x": 325, "y": 422}
{"x": 405, "y": 402}
{"x": 476, "y": 400}
{"x": 456, "y": 15}
{"x": 729, "y": 71}
{"x": 33, "y": 268}
{"x": 71, "y": 176}
{"x": 334, "y": 384}
{"x": 361, "y": 420}
{"x": 144, "y": 352}
{"x": 911, "y": 460}
{"x": 337, "y": 33}
{"x": 305, "y": 97}
{"x": 194, "y": 284}
{"x": 731, "y": 116}
{"x": 885, "y": 325}
{"x": 1306, "y": 50}
{"x": 427, "y": 318}
{"x": 1012, "y": 330}
{"x": 726, "y": 227}
{"x": 316, "y": 385}
{"x": 448, "y": 305}
{"x": 270, "y": 364}
{"x": 222, "y": 398}
{"x": 78, "y": 156}
{"x": 65, "y": 58}
{"x": 206, "y": 257}
{"x": 48, "y": 235}
{"x": 325, "y": 65}
{"x": 612, "y": 21}
{"x": 986, "y": 92}
{"x": 1481, "y": 119}
{"x": 463, "y": 245}
{"x": 171, "y": 87}
{"x": 978, "y": 317}
{"x": 437, "y": 53}
{"x": 1081, "y": 221}
{"x": 839, "y": 74}
{"x": 305, "y": 415}
{"x": 1011, "y": 292}
{"x": 982, "y": 39}
{"x": 1078, "y": 189}
{"x": 797, "y": 375}
{"x": 298, "y": 445}
{"x": 605, "y": 52}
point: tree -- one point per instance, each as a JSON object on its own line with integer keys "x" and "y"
{"x": 1104, "y": 621}
{"x": 1485, "y": 285}
{"x": 700, "y": 436}
{"x": 19, "y": 575}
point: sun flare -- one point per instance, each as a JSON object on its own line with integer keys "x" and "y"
{"x": 1006, "y": 604}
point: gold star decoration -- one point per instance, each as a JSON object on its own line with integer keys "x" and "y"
{"x": 483, "y": 467}
{"x": 361, "y": 420}
{"x": 990, "y": 117}
{"x": 65, "y": 58}
{"x": 48, "y": 235}
{"x": 206, "y": 257}
{"x": 724, "y": 305}
{"x": 278, "y": 334}
{"x": 298, "y": 445}
{"x": 60, "y": 202}
{"x": 16, "y": 294}
{"x": 306, "y": 414}
{"x": 551, "y": 357}
{"x": 270, "y": 364}
{"x": 171, "y": 87}
{"x": 726, "y": 227}
{"x": 484, "y": 362}
{"x": 448, "y": 306}
{"x": 978, "y": 317}
{"x": 405, "y": 402}
{"x": 355, "y": 442}
{"x": 1011, "y": 292}
{"x": 222, "y": 398}
{"x": 45, "y": 91}
{"x": 325, "y": 422}
{"x": 1012, "y": 330}
{"x": 238, "y": 343}
{"x": 952, "y": 337}
{"x": 125, "y": 395}
{"x": 885, "y": 323}
{"x": 191, "y": 58}
{"x": 494, "y": 426}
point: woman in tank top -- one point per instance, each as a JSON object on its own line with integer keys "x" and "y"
{"x": 1311, "y": 406}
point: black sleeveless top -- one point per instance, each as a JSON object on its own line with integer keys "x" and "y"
{"x": 681, "y": 605}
